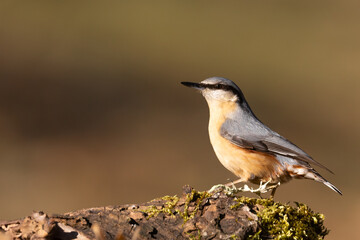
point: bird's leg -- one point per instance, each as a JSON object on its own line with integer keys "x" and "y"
{"x": 272, "y": 195}
{"x": 228, "y": 188}
{"x": 262, "y": 188}
{"x": 232, "y": 183}
{"x": 231, "y": 189}
{"x": 259, "y": 194}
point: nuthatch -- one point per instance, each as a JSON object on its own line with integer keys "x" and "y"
{"x": 245, "y": 146}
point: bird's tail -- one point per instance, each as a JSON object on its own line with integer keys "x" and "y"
{"x": 310, "y": 173}
{"x": 332, "y": 187}
{"x": 317, "y": 177}
{"x": 306, "y": 172}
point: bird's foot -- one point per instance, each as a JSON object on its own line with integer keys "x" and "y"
{"x": 261, "y": 189}
{"x": 228, "y": 190}
{"x": 231, "y": 189}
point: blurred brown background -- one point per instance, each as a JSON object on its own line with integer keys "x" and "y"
{"x": 92, "y": 112}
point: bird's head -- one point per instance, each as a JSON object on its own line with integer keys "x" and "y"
{"x": 218, "y": 89}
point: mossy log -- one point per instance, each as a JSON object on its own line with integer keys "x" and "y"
{"x": 194, "y": 215}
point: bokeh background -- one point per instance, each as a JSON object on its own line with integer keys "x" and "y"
{"x": 92, "y": 112}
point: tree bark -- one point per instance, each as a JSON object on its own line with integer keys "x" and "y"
{"x": 194, "y": 215}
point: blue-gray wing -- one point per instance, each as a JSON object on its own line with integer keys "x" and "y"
{"x": 254, "y": 135}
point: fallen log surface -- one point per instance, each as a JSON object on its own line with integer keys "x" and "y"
{"x": 194, "y": 215}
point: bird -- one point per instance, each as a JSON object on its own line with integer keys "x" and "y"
{"x": 247, "y": 147}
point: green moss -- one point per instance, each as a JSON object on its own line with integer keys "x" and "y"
{"x": 282, "y": 221}
{"x": 196, "y": 197}
{"x": 170, "y": 207}
{"x": 277, "y": 221}
{"x": 234, "y": 237}
{"x": 251, "y": 202}
{"x": 195, "y": 237}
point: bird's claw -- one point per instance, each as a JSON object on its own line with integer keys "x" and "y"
{"x": 231, "y": 190}
{"x": 228, "y": 190}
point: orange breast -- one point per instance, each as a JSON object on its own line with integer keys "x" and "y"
{"x": 244, "y": 163}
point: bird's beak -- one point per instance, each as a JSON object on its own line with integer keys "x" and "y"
{"x": 197, "y": 86}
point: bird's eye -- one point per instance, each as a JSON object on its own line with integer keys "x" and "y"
{"x": 218, "y": 86}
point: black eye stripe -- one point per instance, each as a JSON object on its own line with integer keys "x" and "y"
{"x": 220, "y": 86}
{"x": 225, "y": 88}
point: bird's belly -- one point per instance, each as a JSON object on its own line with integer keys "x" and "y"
{"x": 246, "y": 164}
